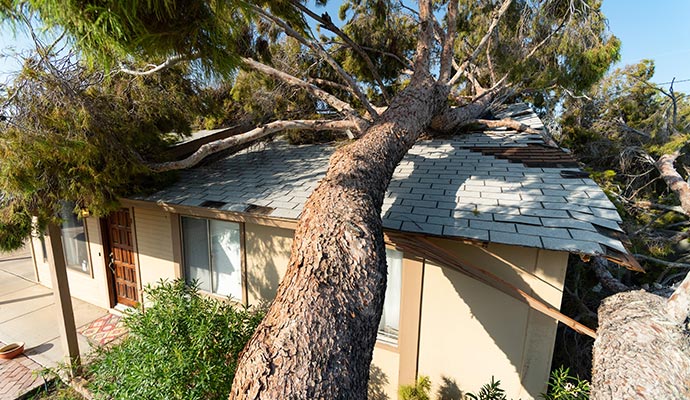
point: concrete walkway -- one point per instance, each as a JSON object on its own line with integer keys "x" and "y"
{"x": 28, "y": 314}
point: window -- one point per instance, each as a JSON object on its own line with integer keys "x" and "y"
{"x": 73, "y": 239}
{"x": 212, "y": 255}
{"x": 390, "y": 319}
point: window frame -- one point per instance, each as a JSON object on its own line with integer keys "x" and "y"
{"x": 74, "y": 267}
{"x": 183, "y": 257}
{"x": 386, "y": 338}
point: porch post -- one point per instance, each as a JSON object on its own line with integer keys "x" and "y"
{"x": 63, "y": 301}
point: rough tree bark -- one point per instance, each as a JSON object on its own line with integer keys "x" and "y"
{"x": 642, "y": 350}
{"x": 673, "y": 179}
{"x": 318, "y": 336}
{"x": 329, "y": 303}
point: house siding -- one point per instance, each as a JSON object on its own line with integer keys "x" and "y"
{"x": 90, "y": 287}
{"x": 471, "y": 332}
{"x": 153, "y": 229}
{"x": 454, "y": 329}
{"x": 267, "y": 252}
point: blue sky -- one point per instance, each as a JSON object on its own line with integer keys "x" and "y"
{"x": 659, "y": 30}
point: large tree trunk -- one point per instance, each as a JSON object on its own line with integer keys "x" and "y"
{"x": 642, "y": 350}
{"x": 317, "y": 338}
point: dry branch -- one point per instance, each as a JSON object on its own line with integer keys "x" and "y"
{"x": 449, "y": 41}
{"x": 250, "y": 136}
{"x": 327, "y": 23}
{"x": 339, "y": 105}
{"x": 318, "y": 49}
{"x": 607, "y": 280}
{"x": 670, "y": 264}
{"x": 673, "y": 180}
{"x": 494, "y": 23}
{"x": 154, "y": 68}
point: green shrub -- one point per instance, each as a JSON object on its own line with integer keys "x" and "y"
{"x": 184, "y": 346}
{"x": 490, "y": 391}
{"x": 418, "y": 391}
{"x": 563, "y": 386}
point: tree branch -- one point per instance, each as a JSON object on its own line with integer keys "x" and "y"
{"x": 494, "y": 23}
{"x": 670, "y": 264}
{"x": 156, "y": 68}
{"x": 335, "y": 85}
{"x": 503, "y": 123}
{"x": 339, "y": 105}
{"x": 250, "y": 136}
{"x": 607, "y": 280}
{"x": 327, "y": 23}
{"x": 673, "y": 180}
{"x": 449, "y": 41}
{"x": 317, "y": 48}
{"x": 422, "y": 60}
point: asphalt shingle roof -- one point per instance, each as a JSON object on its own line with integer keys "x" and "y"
{"x": 449, "y": 187}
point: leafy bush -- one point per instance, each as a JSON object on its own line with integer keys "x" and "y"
{"x": 490, "y": 391}
{"x": 184, "y": 346}
{"x": 418, "y": 391}
{"x": 563, "y": 386}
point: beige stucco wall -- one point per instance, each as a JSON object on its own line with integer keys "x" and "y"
{"x": 91, "y": 287}
{"x": 153, "y": 229}
{"x": 267, "y": 252}
{"x": 470, "y": 332}
{"x": 383, "y": 374}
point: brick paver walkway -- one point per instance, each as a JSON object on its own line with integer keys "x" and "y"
{"x": 17, "y": 376}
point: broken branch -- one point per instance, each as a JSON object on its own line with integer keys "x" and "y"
{"x": 673, "y": 180}
{"x": 250, "y": 136}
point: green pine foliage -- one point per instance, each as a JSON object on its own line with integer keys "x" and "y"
{"x": 107, "y": 32}
{"x": 78, "y": 136}
{"x": 184, "y": 346}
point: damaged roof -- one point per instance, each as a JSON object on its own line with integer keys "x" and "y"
{"x": 496, "y": 185}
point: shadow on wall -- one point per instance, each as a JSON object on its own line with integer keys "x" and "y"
{"x": 268, "y": 252}
{"x": 378, "y": 381}
{"x": 449, "y": 390}
{"x": 414, "y": 193}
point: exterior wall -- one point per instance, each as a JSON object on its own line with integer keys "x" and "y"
{"x": 454, "y": 329}
{"x": 154, "y": 234}
{"x": 267, "y": 252}
{"x": 471, "y": 332}
{"x": 91, "y": 287}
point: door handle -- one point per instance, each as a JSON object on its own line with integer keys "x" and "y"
{"x": 112, "y": 262}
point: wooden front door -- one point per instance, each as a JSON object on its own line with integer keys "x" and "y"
{"x": 121, "y": 257}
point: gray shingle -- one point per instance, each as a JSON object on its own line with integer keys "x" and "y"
{"x": 422, "y": 227}
{"x": 599, "y": 238}
{"x": 419, "y": 203}
{"x": 515, "y": 239}
{"x": 606, "y": 213}
{"x": 466, "y": 233}
{"x": 440, "y": 187}
{"x": 392, "y": 215}
{"x": 577, "y": 246}
{"x": 518, "y": 219}
{"x": 543, "y": 231}
{"x": 543, "y": 212}
{"x": 568, "y": 223}
{"x": 596, "y": 220}
{"x": 492, "y": 226}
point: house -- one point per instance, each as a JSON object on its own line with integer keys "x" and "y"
{"x": 496, "y": 201}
